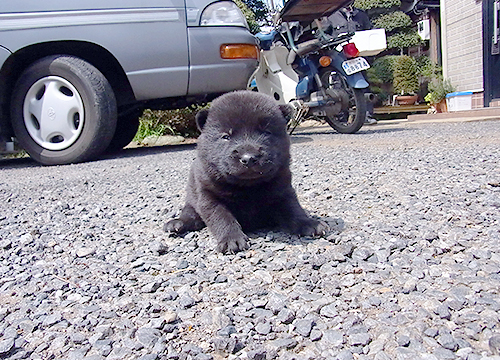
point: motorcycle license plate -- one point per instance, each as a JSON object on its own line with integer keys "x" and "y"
{"x": 355, "y": 65}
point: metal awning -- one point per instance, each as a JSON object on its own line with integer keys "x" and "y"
{"x": 410, "y": 5}
{"x": 308, "y": 10}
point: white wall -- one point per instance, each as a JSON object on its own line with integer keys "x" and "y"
{"x": 462, "y": 45}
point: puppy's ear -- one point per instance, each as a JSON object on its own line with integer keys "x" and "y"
{"x": 287, "y": 111}
{"x": 201, "y": 118}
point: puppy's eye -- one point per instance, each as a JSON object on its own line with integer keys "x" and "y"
{"x": 265, "y": 127}
{"x": 225, "y": 137}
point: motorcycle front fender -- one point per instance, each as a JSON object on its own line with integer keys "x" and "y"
{"x": 357, "y": 80}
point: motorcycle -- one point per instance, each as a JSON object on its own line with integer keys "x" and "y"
{"x": 318, "y": 74}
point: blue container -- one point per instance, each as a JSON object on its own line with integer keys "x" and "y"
{"x": 459, "y": 101}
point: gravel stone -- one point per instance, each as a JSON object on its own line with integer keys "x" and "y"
{"x": 315, "y": 335}
{"x": 170, "y": 316}
{"x": 84, "y": 252}
{"x": 149, "y": 357}
{"x": 148, "y": 336}
{"x": 151, "y": 287}
{"x": 303, "y": 327}
{"x": 256, "y": 355}
{"x": 329, "y": 311}
{"x": 263, "y": 328}
{"x": 286, "y": 316}
{"x": 228, "y": 330}
{"x": 445, "y": 354}
{"x": 280, "y": 344}
{"x": 443, "y": 311}
{"x": 448, "y": 342}
{"x": 494, "y": 344}
{"x": 361, "y": 339}
{"x": 52, "y": 320}
{"x": 276, "y": 303}
{"x": 431, "y": 332}
{"x": 6, "y": 346}
{"x": 403, "y": 340}
{"x": 345, "y": 355}
{"x": 332, "y": 338}
{"x": 186, "y": 301}
{"x": 409, "y": 270}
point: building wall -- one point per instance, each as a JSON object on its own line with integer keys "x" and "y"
{"x": 462, "y": 46}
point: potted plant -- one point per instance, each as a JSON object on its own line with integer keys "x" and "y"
{"x": 406, "y": 79}
{"x": 438, "y": 88}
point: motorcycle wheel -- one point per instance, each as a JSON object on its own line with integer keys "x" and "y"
{"x": 352, "y": 117}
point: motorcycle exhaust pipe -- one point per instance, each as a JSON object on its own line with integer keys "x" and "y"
{"x": 370, "y": 97}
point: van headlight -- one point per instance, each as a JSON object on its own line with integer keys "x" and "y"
{"x": 223, "y": 13}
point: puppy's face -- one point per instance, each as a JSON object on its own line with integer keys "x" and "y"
{"x": 243, "y": 138}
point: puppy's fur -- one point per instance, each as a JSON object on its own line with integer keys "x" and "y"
{"x": 240, "y": 180}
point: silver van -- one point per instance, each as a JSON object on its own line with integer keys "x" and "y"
{"x": 75, "y": 75}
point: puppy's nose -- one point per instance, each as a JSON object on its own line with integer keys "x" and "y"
{"x": 248, "y": 159}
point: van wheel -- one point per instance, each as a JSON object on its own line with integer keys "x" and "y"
{"x": 63, "y": 110}
{"x": 126, "y": 128}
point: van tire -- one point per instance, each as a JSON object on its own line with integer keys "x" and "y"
{"x": 63, "y": 110}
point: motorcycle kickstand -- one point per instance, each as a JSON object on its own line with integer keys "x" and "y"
{"x": 300, "y": 111}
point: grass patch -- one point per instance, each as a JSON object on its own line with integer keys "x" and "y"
{"x": 168, "y": 122}
{"x": 151, "y": 125}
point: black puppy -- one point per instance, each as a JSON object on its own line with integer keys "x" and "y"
{"x": 240, "y": 179}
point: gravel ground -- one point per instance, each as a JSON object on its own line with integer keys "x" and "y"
{"x": 410, "y": 269}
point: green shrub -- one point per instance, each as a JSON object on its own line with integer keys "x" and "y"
{"x": 369, "y": 4}
{"x": 392, "y": 21}
{"x": 249, "y": 15}
{"x": 380, "y": 76}
{"x": 383, "y": 68}
{"x": 259, "y": 9}
{"x": 406, "y": 75}
{"x": 438, "y": 88}
{"x": 428, "y": 69}
{"x": 403, "y": 39}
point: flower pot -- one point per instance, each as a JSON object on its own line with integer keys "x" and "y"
{"x": 406, "y": 99}
{"x": 441, "y": 106}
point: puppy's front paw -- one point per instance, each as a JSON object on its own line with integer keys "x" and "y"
{"x": 175, "y": 226}
{"x": 232, "y": 243}
{"x": 313, "y": 228}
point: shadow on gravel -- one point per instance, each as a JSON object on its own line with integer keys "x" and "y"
{"x": 312, "y": 131}
{"x": 154, "y": 150}
{"x": 18, "y": 162}
{"x": 26, "y": 162}
{"x": 380, "y": 130}
{"x": 261, "y": 237}
{"x": 297, "y": 139}
{"x": 329, "y": 131}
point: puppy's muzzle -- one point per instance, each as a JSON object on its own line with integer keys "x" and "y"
{"x": 248, "y": 159}
{"x": 248, "y": 156}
